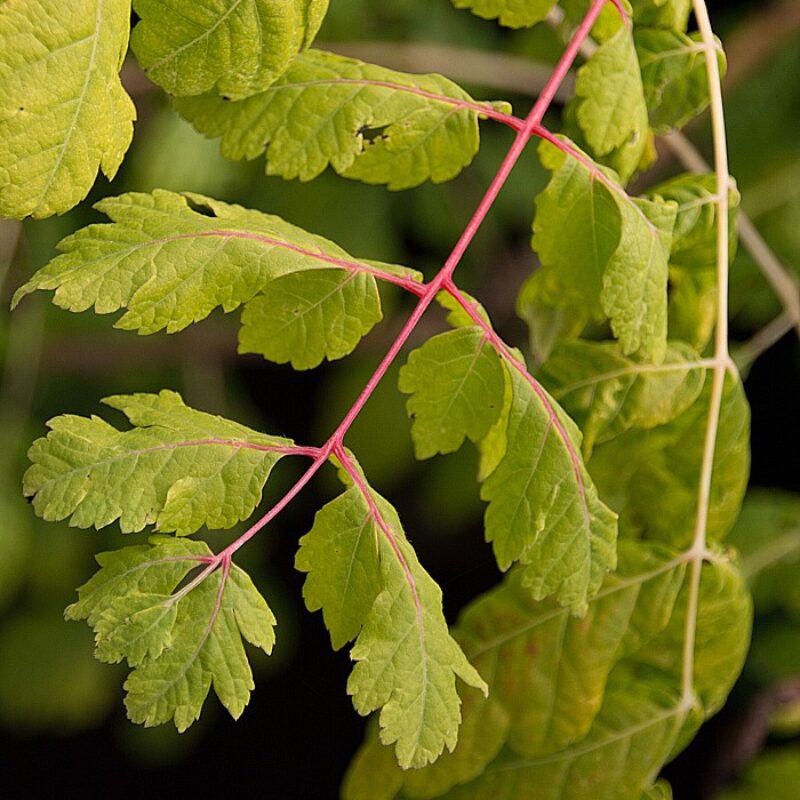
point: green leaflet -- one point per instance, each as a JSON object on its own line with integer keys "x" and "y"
{"x": 309, "y": 316}
{"x": 607, "y": 393}
{"x": 179, "y": 643}
{"x": 651, "y": 477}
{"x": 56, "y": 133}
{"x": 366, "y": 578}
{"x": 177, "y": 468}
{"x": 512, "y": 13}
{"x": 457, "y": 387}
{"x": 767, "y": 534}
{"x": 171, "y": 259}
{"x": 606, "y": 250}
{"x": 367, "y": 122}
{"x": 238, "y": 49}
{"x": 674, "y": 75}
{"x": 544, "y": 510}
{"x": 574, "y": 705}
{"x": 611, "y": 109}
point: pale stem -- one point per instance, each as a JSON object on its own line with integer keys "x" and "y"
{"x": 699, "y": 543}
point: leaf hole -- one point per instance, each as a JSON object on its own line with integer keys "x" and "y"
{"x": 199, "y": 207}
{"x": 370, "y": 135}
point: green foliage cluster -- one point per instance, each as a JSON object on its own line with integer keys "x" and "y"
{"x": 612, "y": 471}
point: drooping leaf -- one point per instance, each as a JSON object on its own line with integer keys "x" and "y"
{"x": 654, "y": 484}
{"x": 307, "y": 317}
{"x": 179, "y": 643}
{"x": 238, "y": 49}
{"x": 177, "y": 468}
{"x": 512, "y": 13}
{"x": 366, "y": 578}
{"x": 607, "y": 393}
{"x": 607, "y": 251}
{"x": 171, "y": 259}
{"x": 674, "y": 75}
{"x": 612, "y": 110}
{"x": 63, "y": 111}
{"x": 457, "y": 387}
{"x": 544, "y": 510}
{"x": 577, "y": 707}
{"x": 369, "y": 123}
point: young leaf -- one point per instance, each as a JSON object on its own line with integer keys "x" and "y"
{"x": 544, "y": 510}
{"x": 366, "y": 578}
{"x": 171, "y": 259}
{"x": 179, "y": 643}
{"x": 609, "y": 251}
{"x": 307, "y": 317}
{"x": 674, "y": 76}
{"x": 367, "y": 122}
{"x": 607, "y": 393}
{"x": 63, "y": 111}
{"x": 238, "y": 49}
{"x": 611, "y": 109}
{"x": 457, "y": 388}
{"x": 511, "y": 13}
{"x": 177, "y": 468}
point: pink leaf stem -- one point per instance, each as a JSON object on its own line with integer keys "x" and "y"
{"x": 443, "y": 280}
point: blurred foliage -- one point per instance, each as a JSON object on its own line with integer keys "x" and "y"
{"x": 55, "y": 362}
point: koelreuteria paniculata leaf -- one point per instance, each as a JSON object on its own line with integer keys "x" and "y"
{"x": 365, "y": 576}
{"x": 176, "y": 468}
{"x": 179, "y": 643}
{"x": 63, "y": 112}
{"x": 236, "y": 48}
{"x": 367, "y": 122}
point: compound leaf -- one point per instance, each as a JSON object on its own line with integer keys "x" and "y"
{"x": 511, "y": 13}
{"x": 170, "y": 259}
{"x": 544, "y": 510}
{"x": 609, "y": 252}
{"x": 674, "y": 76}
{"x": 457, "y": 388}
{"x": 607, "y": 393}
{"x": 238, "y": 49}
{"x": 177, "y": 468}
{"x": 365, "y": 576}
{"x": 179, "y": 643}
{"x": 63, "y": 111}
{"x": 367, "y": 122}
